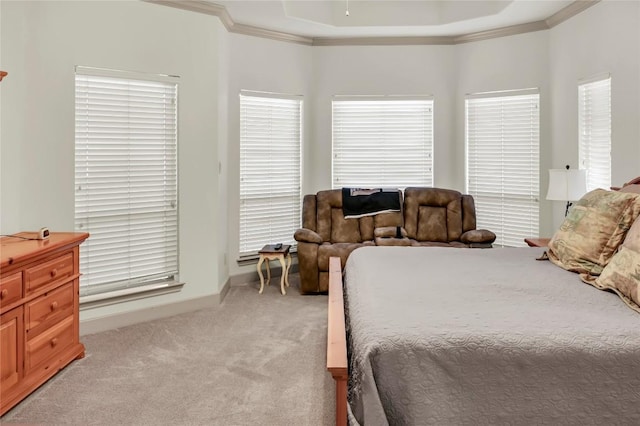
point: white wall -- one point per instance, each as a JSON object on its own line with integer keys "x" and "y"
{"x": 384, "y": 70}
{"x": 603, "y": 39}
{"x": 41, "y": 42}
{"x": 269, "y": 66}
{"x": 506, "y": 63}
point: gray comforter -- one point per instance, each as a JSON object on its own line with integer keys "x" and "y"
{"x": 444, "y": 336}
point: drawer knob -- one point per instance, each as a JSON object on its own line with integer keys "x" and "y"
{"x": 4, "y": 293}
{"x": 54, "y": 272}
{"x": 54, "y": 306}
{"x": 54, "y": 342}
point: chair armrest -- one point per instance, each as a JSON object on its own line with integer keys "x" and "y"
{"x": 476, "y": 236}
{"x": 304, "y": 235}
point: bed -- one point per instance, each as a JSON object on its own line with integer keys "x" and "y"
{"x": 437, "y": 336}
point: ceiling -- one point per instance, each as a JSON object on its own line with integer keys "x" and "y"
{"x": 388, "y": 18}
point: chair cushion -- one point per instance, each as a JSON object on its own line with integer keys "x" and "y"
{"x": 367, "y": 226}
{"x": 468, "y": 213}
{"x": 432, "y": 224}
{"x": 454, "y": 219}
{"x": 344, "y": 230}
{"x": 430, "y": 212}
{"x": 326, "y": 201}
{"x": 332, "y": 225}
{"x": 390, "y": 232}
{"x": 392, "y": 241}
{"x": 388, "y": 219}
{"x": 309, "y": 219}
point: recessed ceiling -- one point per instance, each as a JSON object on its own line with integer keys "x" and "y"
{"x": 387, "y": 18}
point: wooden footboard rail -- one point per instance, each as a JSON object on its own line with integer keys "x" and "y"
{"x": 337, "y": 340}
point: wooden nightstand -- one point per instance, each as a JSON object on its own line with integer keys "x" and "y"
{"x": 269, "y": 252}
{"x": 537, "y": 242}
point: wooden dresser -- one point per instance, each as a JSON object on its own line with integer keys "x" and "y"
{"x": 39, "y": 324}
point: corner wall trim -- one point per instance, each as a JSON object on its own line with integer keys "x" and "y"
{"x": 225, "y": 289}
{"x": 213, "y": 9}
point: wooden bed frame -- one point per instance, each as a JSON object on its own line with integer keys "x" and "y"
{"x": 337, "y": 340}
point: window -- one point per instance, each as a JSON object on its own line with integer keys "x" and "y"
{"x": 594, "y": 98}
{"x": 502, "y": 137}
{"x": 126, "y": 193}
{"x": 270, "y": 143}
{"x": 382, "y": 142}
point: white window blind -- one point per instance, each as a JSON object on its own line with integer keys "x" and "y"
{"x": 502, "y": 137}
{"x": 594, "y": 100}
{"x": 126, "y": 191}
{"x": 382, "y": 142}
{"x": 270, "y": 144}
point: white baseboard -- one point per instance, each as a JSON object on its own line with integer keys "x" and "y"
{"x": 250, "y": 277}
{"x": 113, "y": 321}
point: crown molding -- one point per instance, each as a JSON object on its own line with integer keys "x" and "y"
{"x": 502, "y": 32}
{"x": 202, "y": 6}
{"x": 381, "y": 41}
{"x": 275, "y": 35}
{"x": 199, "y": 6}
{"x": 212, "y": 9}
{"x": 570, "y": 11}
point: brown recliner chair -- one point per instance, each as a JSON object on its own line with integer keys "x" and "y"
{"x": 443, "y": 217}
{"x": 430, "y": 217}
{"x": 325, "y": 233}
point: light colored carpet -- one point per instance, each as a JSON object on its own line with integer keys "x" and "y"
{"x": 252, "y": 360}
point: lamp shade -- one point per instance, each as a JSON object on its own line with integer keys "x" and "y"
{"x": 567, "y": 184}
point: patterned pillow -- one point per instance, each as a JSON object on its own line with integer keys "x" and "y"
{"x": 622, "y": 275}
{"x": 632, "y": 240}
{"x": 593, "y": 230}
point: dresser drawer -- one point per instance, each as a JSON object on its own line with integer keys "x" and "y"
{"x": 10, "y": 288}
{"x": 48, "y": 272}
{"x": 49, "y": 343}
{"x": 48, "y": 309}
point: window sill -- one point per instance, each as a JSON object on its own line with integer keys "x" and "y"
{"x": 129, "y": 294}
